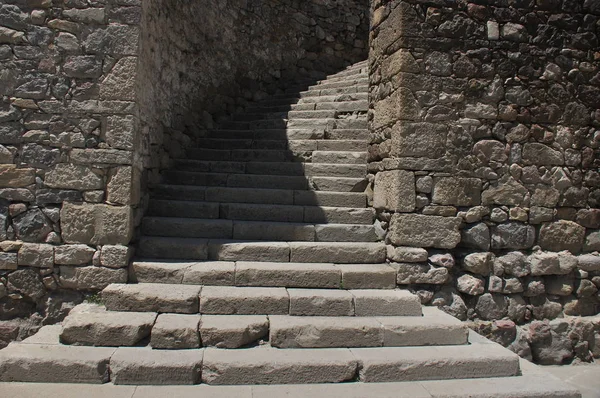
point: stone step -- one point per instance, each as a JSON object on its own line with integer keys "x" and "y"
{"x": 339, "y": 157}
{"x": 265, "y": 365}
{"x": 236, "y": 300}
{"x": 253, "y": 116}
{"x": 241, "y": 155}
{"x": 361, "y": 135}
{"x": 277, "y": 168}
{"x": 53, "y": 363}
{"x": 236, "y": 250}
{"x": 268, "y": 134}
{"x": 390, "y": 364}
{"x": 433, "y": 329}
{"x": 316, "y": 114}
{"x": 267, "y": 274}
{"x": 257, "y": 212}
{"x": 348, "y": 97}
{"x": 89, "y": 324}
{"x": 265, "y": 181}
{"x": 256, "y": 230}
{"x": 342, "y": 83}
{"x": 260, "y": 196}
{"x": 343, "y": 106}
{"x": 359, "y": 88}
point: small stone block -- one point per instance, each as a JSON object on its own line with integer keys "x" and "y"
{"x": 210, "y": 273}
{"x": 367, "y": 276}
{"x": 301, "y": 275}
{"x": 175, "y": 332}
{"x": 320, "y": 302}
{"x": 232, "y": 331}
{"x": 386, "y": 303}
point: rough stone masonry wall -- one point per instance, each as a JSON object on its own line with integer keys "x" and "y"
{"x": 202, "y": 61}
{"x": 485, "y": 155}
{"x": 68, "y": 185}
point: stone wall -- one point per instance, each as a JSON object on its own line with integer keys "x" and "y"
{"x": 68, "y": 175}
{"x": 485, "y": 153}
{"x": 202, "y": 61}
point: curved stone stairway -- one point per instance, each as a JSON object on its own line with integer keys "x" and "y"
{"x": 260, "y": 265}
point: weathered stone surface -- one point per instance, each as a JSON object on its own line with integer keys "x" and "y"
{"x": 457, "y": 191}
{"x": 27, "y": 282}
{"x": 144, "y": 366}
{"x": 115, "y": 256}
{"x": 479, "y": 263}
{"x": 399, "y": 105}
{"x": 589, "y": 262}
{"x": 94, "y": 326}
{"x": 8, "y": 261}
{"x": 544, "y": 263}
{"x": 83, "y": 66}
{"x": 411, "y": 273}
{"x": 120, "y": 82}
{"x": 101, "y": 156}
{"x": 287, "y": 275}
{"x": 180, "y": 299}
{"x": 223, "y": 300}
{"x": 476, "y": 236}
{"x": 70, "y": 176}
{"x": 540, "y": 154}
{"x": 491, "y": 306}
{"x": 176, "y": 332}
{"x": 12, "y": 177}
{"x": 367, "y": 276}
{"x": 73, "y": 254}
{"x": 512, "y": 263}
{"x": 506, "y": 192}
{"x": 90, "y": 278}
{"x": 32, "y": 226}
{"x": 120, "y": 132}
{"x": 407, "y": 254}
{"x": 371, "y": 302}
{"x": 419, "y": 140}
{"x": 36, "y": 255}
{"x": 424, "y": 231}
{"x": 309, "y": 302}
{"x": 96, "y": 224}
{"x": 562, "y": 235}
{"x": 233, "y": 331}
{"x": 394, "y": 191}
{"x": 513, "y": 235}
{"x": 470, "y": 285}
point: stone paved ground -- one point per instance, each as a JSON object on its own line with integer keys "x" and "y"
{"x": 585, "y": 377}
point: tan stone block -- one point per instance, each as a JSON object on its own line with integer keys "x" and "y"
{"x": 97, "y": 224}
{"x": 395, "y": 191}
{"x": 12, "y": 177}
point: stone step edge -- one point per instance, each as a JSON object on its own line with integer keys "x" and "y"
{"x": 277, "y": 274}
{"x": 127, "y": 365}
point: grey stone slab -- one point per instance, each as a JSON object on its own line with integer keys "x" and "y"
{"x": 346, "y": 390}
{"x": 256, "y": 212}
{"x": 156, "y": 367}
{"x": 224, "y": 250}
{"x": 152, "y": 297}
{"x": 391, "y": 364}
{"x": 54, "y": 364}
{"x": 331, "y": 199}
{"x": 320, "y": 302}
{"x": 337, "y": 252}
{"x": 264, "y": 365}
{"x": 338, "y": 215}
{"x": 367, "y": 276}
{"x": 434, "y": 328}
{"x": 339, "y": 184}
{"x": 217, "y": 273}
{"x": 106, "y": 328}
{"x": 233, "y": 331}
{"x": 225, "y": 300}
{"x": 284, "y": 274}
{"x": 175, "y": 331}
{"x": 324, "y": 332}
{"x": 370, "y": 302}
{"x": 339, "y": 157}
{"x": 160, "y": 272}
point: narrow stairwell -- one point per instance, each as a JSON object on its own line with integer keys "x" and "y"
{"x": 260, "y": 264}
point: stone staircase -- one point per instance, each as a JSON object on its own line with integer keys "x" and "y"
{"x": 260, "y": 264}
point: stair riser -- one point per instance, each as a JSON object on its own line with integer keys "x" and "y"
{"x": 232, "y": 211}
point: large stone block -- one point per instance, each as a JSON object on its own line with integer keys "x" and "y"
{"x": 508, "y": 192}
{"x": 36, "y": 255}
{"x": 70, "y": 176}
{"x": 120, "y": 82}
{"x": 123, "y": 186}
{"x": 427, "y": 140}
{"x": 457, "y": 191}
{"x": 11, "y": 177}
{"x": 411, "y": 273}
{"x": 73, "y": 254}
{"x": 119, "y": 132}
{"x": 90, "y": 278}
{"x": 395, "y": 191}
{"x": 100, "y": 157}
{"x": 400, "y": 105}
{"x": 562, "y": 235}
{"x": 424, "y": 231}
{"x": 96, "y": 224}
